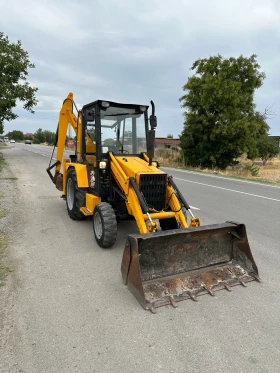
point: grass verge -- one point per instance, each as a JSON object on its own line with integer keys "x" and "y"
{"x": 2, "y": 162}
{"x": 3, "y": 269}
{"x": 244, "y": 170}
{"x": 8, "y": 178}
{"x": 2, "y": 213}
{"x": 3, "y": 242}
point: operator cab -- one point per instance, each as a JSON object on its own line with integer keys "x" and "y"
{"x": 117, "y": 128}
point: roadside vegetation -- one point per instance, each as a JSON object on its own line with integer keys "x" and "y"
{"x": 3, "y": 269}
{"x": 3, "y": 242}
{"x": 244, "y": 169}
{"x": 223, "y": 132}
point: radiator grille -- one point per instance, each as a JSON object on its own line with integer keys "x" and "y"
{"x": 153, "y": 187}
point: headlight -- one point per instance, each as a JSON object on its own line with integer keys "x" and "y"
{"x": 105, "y": 104}
{"x": 102, "y": 165}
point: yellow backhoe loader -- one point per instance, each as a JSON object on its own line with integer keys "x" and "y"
{"x": 112, "y": 176}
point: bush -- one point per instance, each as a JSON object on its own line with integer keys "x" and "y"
{"x": 254, "y": 169}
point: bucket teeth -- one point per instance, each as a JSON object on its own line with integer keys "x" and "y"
{"x": 210, "y": 291}
{"x": 192, "y": 295}
{"x": 226, "y": 286}
{"x": 241, "y": 282}
{"x": 173, "y": 302}
{"x": 151, "y": 307}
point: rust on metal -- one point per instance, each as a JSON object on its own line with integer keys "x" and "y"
{"x": 166, "y": 267}
{"x": 58, "y": 181}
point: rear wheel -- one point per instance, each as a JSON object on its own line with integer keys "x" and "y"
{"x": 75, "y": 197}
{"x": 104, "y": 225}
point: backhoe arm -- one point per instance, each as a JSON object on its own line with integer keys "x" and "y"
{"x": 66, "y": 117}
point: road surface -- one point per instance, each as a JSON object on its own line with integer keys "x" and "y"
{"x": 65, "y": 309}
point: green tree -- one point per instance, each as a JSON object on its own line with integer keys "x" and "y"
{"x": 39, "y": 136}
{"x": 221, "y": 122}
{"x": 267, "y": 148}
{"x": 169, "y": 136}
{"x": 14, "y": 65}
{"x": 16, "y": 135}
{"x": 108, "y": 142}
{"x": 49, "y": 137}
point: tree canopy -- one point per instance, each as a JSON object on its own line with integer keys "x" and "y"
{"x": 221, "y": 121}
{"x": 16, "y": 135}
{"x": 267, "y": 148}
{"x": 39, "y": 136}
{"x": 14, "y": 65}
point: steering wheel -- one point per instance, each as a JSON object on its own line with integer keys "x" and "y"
{"x": 124, "y": 151}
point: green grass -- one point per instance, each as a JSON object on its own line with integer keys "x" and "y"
{"x": 259, "y": 180}
{"x": 3, "y": 269}
{"x": 2, "y": 162}
{"x": 8, "y": 178}
{"x": 2, "y": 213}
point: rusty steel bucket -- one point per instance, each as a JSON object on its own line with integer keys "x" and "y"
{"x": 170, "y": 266}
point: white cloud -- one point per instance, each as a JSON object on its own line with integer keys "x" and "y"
{"x": 137, "y": 50}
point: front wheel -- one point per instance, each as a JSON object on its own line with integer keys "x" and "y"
{"x": 104, "y": 225}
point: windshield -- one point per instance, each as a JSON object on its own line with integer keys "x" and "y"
{"x": 123, "y": 130}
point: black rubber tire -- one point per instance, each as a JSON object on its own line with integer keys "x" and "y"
{"x": 104, "y": 225}
{"x": 78, "y": 195}
{"x": 168, "y": 224}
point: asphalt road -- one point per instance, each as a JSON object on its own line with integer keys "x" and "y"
{"x": 68, "y": 311}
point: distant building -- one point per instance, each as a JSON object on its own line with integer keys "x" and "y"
{"x": 167, "y": 143}
{"x": 28, "y": 134}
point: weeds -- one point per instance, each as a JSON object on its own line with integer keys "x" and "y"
{"x": 254, "y": 169}
{"x": 3, "y": 269}
{"x": 8, "y": 178}
{"x": 2, "y": 213}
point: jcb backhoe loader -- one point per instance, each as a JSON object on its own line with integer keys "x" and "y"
{"x": 112, "y": 176}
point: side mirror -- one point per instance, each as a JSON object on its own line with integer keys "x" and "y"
{"x": 88, "y": 115}
{"x": 153, "y": 118}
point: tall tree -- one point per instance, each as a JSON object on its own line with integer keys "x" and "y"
{"x": 49, "y": 137}
{"x": 267, "y": 148}
{"x": 16, "y": 135}
{"x": 14, "y": 65}
{"x": 39, "y": 136}
{"x": 220, "y": 117}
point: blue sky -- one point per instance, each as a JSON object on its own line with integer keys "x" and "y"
{"x": 134, "y": 51}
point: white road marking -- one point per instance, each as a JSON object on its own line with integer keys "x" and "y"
{"x": 194, "y": 208}
{"x": 217, "y": 177}
{"x": 230, "y": 190}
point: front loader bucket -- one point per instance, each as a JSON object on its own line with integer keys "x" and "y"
{"x": 170, "y": 266}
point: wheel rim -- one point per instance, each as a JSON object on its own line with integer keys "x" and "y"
{"x": 70, "y": 194}
{"x": 98, "y": 228}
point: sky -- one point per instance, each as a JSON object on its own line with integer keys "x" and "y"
{"x": 135, "y": 51}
